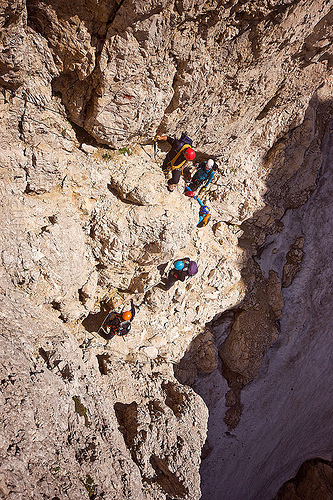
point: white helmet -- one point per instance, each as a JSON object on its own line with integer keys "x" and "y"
{"x": 210, "y": 163}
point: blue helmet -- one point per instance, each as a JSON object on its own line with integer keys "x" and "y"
{"x": 204, "y": 210}
{"x": 179, "y": 265}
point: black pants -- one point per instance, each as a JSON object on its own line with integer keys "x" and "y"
{"x": 108, "y": 335}
{"x": 194, "y": 184}
{"x": 165, "y": 164}
{"x": 169, "y": 281}
{"x": 176, "y": 173}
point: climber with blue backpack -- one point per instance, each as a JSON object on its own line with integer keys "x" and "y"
{"x": 180, "y": 153}
{"x": 182, "y": 269}
{"x": 204, "y": 174}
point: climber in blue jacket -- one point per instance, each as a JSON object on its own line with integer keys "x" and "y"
{"x": 204, "y": 212}
{"x": 204, "y": 173}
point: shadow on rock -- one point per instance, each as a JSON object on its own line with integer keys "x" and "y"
{"x": 94, "y": 320}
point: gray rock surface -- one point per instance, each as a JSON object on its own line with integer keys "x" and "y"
{"x": 285, "y": 411}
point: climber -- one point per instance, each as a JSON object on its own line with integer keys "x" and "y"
{"x": 184, "y": 268}
{"x": 204, "y": 213}
{"x": 204, "y": 173}
{"x": 118, "y": 323}
{"x": 180, "y": 153}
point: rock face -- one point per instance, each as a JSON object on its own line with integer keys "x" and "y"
{"x": 284, "y": 410}
{"x": 313, "y": 480}
{"x": 85, "y": 228}
{"x": 89, "y": 430}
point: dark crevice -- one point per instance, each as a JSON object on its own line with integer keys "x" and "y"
{"x": 175, "y": 399}
{"x": 44, "y": 229}
{"x": 56, "y": 305}
{"x": 28, "y": 190}
{"x": 50, "y": 358}
{"x": 82, "y": 296}
{"x": 127, "y": 416}
{"x": 113, "y": 15}
{"x": 100, "y": 266}
{"x": 94, "y": 320}
{"x": 52, "y": 219}
{"x": 271, "y": 103}
{"x": 167, "y": 480}
{"x": 103, "y": 363}
{"x": 82, "y": 136}
{"x": 21, "y": 121}
{"x": 118, "y": 195}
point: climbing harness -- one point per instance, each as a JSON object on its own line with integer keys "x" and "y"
{"x": 171, "y": 163}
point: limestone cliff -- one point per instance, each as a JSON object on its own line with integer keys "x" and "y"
{"x": 87, "y": 224}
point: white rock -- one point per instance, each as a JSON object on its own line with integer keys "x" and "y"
{"x": 88, "y": 148}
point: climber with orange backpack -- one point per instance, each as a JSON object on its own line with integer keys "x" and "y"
{"x": 117, "y": 323}
{"x": 180, "y": 153}
{"x": 204, "y": 212}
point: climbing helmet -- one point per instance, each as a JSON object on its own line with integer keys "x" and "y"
{"x": 189, "y": 154}
{"x": 126, "y": 315}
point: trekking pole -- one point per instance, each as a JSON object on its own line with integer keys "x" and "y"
{"x": 145, "y": 150}
{"x": 101, "y": 327}
{"x": 150, "y": 287}
{"x": 155, "y": 148}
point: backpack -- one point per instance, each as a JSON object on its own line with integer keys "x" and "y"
{"x": 184, "y": 143}
{"x": 204, "y": 221}
{"x": 113, "y": 320}
{"x": 192, "y": 268}
{"x": 184, "y": 139}
{"x": 124, "y": 328}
